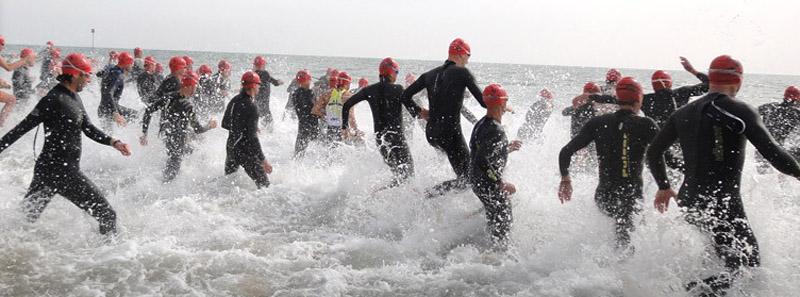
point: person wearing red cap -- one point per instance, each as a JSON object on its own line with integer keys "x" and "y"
{"x": 665, "y": 100}
{"x": 302, "y": 99}
{"x": 537, "y": 116}
{"x": 220, "y": 87}
{"x": 781, "y": 119}
{"x": 9, "y": 100}
{"x": 384, "y": 101}
{"x": 612, "y": 77}
{"x": 262, "y": 99}
{"x": 113, "y": 57}
{"x": 206, "y": 91}
{"x": 138, "y": 63}
{"x": 241, "y": 120}
{"x": 189, "y": 63}
{"x": 50, "y": 70}
{"x": 111, "y": 88}
{"x": 329, "y": 107}
{"x": 57, "y": 169}
{"x": 159, "y": 73}
{"x": 445, "y": 86}
{"x": 170, "y": 85}
{"x": 362, "y": 83}
{"x": 179, "y": 119}
{"x": 621, "y": 140}
{"x": 580, "y": 112}
{"x": 21, "y": 79}
{"x": 147, "y": 82}
{"x": 489, "y": 149}
{"x": 712, "y": 131}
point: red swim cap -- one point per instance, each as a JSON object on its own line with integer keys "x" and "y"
{"x": 204, "y": 69}
{"x": 629, "y": 90}
{"x": 494, "y": 95}
{"x": 113, "y": 55}
{"x": 792, "y": 93}
{"x": 661, "y": 80}
{"x": 259, "y": 62}
{"x": 137, "y": 52}
{"x": 387, "y": 66}
{"x": 303, "y": 76}
{"x": 333, "y": 78}
{"x": 344, "y": 80}
{"x": 250, "y": 79}
{"x": 189, "y": 79}
{"x": 459, "y": 47}
{"x": 362, "y": 82}
{"x": 545, "y": 93}
{"x": 149, "y": 60}
{"x": 176, "y": 64}
{"x": 224, "y": 65}
{"x": 2, "y": 40}
{"x": 50, "y": 43}
{"x": 189, "y": 61}
{"x": 613, "y": 75}
{"x": 591, "y": 88}
{"x": 725, "y": 70}
{"x": 124, "y": 60}
{"x": 75, "y": 64}
{"x": 25, "y": 52}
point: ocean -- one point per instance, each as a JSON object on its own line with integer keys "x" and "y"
{"x": 320, "y": 230}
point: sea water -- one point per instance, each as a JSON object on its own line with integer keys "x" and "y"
{"x": 321, "y": 229}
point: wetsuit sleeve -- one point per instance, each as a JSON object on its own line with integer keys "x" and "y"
{"x": 408, "y": 96}
{"x": 33, "y": 119}
{"x": 468, "y": 115}
{"x": 696, "y": 90}
{"x": 358, "y": 97}
{"x": 115, "y": 89}
{"x": 655, "y": 153}
{"x": 584, "y": 138}
{"x": 91, "y": 131}
{"x": 569, "y": 111}
{"x": 474, "y": 89}
{"x": 272, "y": 80}
{"x": 758, "y": 135}
{"x": 148, "y": 112}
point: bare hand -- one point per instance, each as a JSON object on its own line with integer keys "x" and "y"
{"x": 212, "y": 124}
{"x": 662, "y": 199}
{"x": 4, "y": 84}
{"x": 123, "y": 148}
{"x": 565, "y": 191}
{"x": 280, "y": 82}
{"x": 119, "y": 119}
{"x": 688, "y": 66}
{"x": 514, "y": 146}
{"x": 267, "y": 166}
{"x": 345, "y": 133}
{"x": 509, "y": 188}
{"x": 143, "y": 140}
{"x": 424, "y": 113}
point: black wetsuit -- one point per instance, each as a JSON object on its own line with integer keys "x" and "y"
{"x": 661, "y": 104}
{"x": 307, "y": 124}
{"x": 220, "y": 86}
{"x": 47, "y": 80}
{"x": 535, "y": 119}
{"x": 22, "y": 82}
{"x": 782, "y": 120}
{"x": 712, "y": 132}
{"x": 262, "y": 98}
{"x": 488, "y": 155}
{"x": 57, "y": 169}
{"x": 289, "y": 108}
{"x": 243, "y": 147}
{"x": 384, "y": 102}
{"x": 170, "y": 85}
{"x": 621, "y": 139}
{"x": 180, "y": 117}
{"x": 445, "y": 86}
{"x": 147, "y": 84}
{"x": 205, "y": 95}
{"x": 110, "y": 91}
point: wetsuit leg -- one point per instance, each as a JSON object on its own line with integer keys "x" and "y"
{"x": 621, "y": 203}
{"x": 396, "y": 154}
{"x": 175, "y": 152}
{"x": 454, "y": 145}
{"x": 231, "y": 164}
{"x": 128, "y": 113}
{"x": 40, "y": 192}
{"x": 255, "y": 171}
{"x": 85, "y": 195}
{"x": 304, "y": 136}
{"x": 734, "y": 242}
{"x": 499, "y": 217}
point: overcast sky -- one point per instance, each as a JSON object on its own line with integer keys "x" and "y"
{"x": 611, "y": 33}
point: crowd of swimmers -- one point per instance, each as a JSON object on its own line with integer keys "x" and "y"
{"x": 615, "y": 129}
